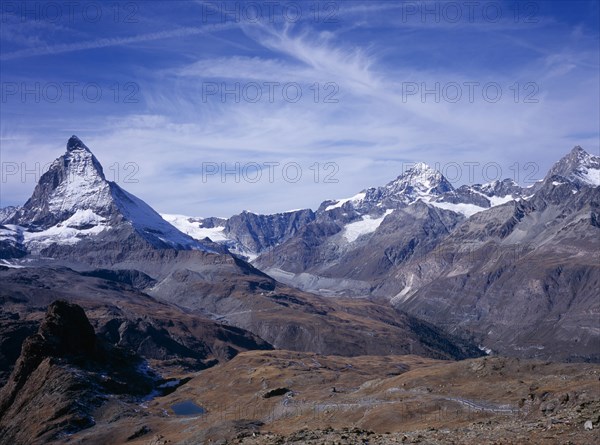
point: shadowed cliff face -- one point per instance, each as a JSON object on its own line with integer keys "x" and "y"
{"x": 65, "y": 332}
{"x": 63, "y": 373}
{"x": 121, "y": 315}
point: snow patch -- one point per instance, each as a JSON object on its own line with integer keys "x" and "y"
{"x": 591, "y": 176}
{"x": 354, "y": 200}
{"x": 80, "y": 225}
{"x": 497, "y": 200}
{"x": 85, "y": 217}
{"x": 193, "y": 227}
{"x": 488, "y": 351}
{"x": 466, "y": 209}
{"x": 366, "y": 225}
{"x": 10, "y": 265}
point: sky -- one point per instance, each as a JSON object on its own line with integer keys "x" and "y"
{"x": 208, "y": 108}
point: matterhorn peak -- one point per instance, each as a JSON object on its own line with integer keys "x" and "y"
{"x": 74, "y": 182}
{"x": 74, "y": 201}
{"x": 74, "y": 143}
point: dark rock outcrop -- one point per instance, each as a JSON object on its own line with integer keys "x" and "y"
{"x": 63, "y": 374}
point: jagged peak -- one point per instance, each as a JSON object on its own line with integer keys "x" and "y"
{"x": 580, "y": 156}
{"x": 578, "y": 152}
{"x": 419, "y": 167}
{"x": 74, "y": 143}
{"x": 420, "y": 175}
{"x": 578, "y": 166}
{"x": 81, "y": 161}
{"x": 73, "y": 200}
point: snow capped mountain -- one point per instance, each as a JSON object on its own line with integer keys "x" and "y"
{"x": 249, "y": 234}
{"x": 73, "y": 201}
{"x": 367, "y": 224}
{"x": 579, "y": 167}
{"x": 423, "y": 183}
{"x": 75, "y": 181}
{"x": 418, "y": 182}
{"x": 353, "y": 219}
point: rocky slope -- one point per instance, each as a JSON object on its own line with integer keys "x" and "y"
{"x": 514, "y": 269}
{"x": 64, "y": 373}
{"x": 230, "y": 291}
{"x": 164, "y": 334}
{"x": 522, "y": 277}
{"x": 290, "y": 397}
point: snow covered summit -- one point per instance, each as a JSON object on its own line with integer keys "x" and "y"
{"x": 419, "y": 182}
{"x": 73, "y": 201}
{"x": 579, "y": 167}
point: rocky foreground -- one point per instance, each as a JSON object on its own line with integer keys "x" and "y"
{"x": 569, "y": 428}
{"x": 71, "y": 385}
{"x": 284, "y": 397}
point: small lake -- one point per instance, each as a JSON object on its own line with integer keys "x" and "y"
{"x": 187, "y": 408}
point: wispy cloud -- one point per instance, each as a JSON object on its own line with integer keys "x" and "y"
{"x": 368, "y": 133}
{"x": 112, "y": 42}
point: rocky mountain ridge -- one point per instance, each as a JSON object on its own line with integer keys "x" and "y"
{"x": 63, "y": 374}
{"x": 426, "y": 247}
{"x": 435, "y": 250}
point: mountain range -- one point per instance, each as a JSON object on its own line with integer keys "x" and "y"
{"x": 78, "y": 226}
{"x": 416, "y": 266}
{"x": 514, "y": 269}
{"x": 477, "y": 260}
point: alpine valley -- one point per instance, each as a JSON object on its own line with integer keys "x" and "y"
{"x": 413, "y": 312}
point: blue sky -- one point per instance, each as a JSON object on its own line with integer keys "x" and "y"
{"x": 210, "y": 108}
